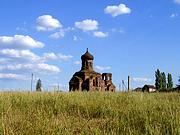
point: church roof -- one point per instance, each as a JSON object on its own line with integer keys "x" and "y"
{"x": 87, "y": 56}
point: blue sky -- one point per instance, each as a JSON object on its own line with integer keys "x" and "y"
{"x": 47, "y": 38}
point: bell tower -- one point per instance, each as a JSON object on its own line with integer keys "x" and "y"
{"x": 87, "y": 61}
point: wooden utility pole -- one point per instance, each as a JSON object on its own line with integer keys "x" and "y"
{"x": 129, "y": 83}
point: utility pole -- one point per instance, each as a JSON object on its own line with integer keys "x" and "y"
{"x": 31, "y": 81}
{"x": 129, "y": 83}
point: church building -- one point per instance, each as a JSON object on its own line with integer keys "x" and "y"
{"x": 89, "y": 80}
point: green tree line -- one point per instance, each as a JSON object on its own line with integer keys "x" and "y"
{"x": 161, "y": 83}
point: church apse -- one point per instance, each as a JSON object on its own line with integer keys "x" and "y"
{"x": 89, "y": 80}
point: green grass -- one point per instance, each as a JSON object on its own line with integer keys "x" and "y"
{"x": 89, "y": 113}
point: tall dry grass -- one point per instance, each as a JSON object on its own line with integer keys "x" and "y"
{"x": 89, "y": 113}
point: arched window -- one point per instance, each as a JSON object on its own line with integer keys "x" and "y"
{"x": 97, "y": 81}
{"x": 94, "y": 82}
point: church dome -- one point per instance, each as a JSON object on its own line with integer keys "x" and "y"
{"x": 87, "y": 56}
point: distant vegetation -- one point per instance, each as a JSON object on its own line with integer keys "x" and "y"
{"x": 39, "y": 85}
{"x": 89, "y": 113}
{"x": 163, "y": 83}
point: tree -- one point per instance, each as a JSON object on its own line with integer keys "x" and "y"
{"x": 170, "y": 82}
{"x": 158, "y": 81}
{"x": 39, "y": 85}
{"x": 164, "y": 84}
{"x": 178, "y": 85}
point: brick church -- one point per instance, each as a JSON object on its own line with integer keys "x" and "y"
{"x": 89, "y": 80}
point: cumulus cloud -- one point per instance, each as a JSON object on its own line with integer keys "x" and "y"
{"x": 141, "y": 79}
{"x": 31, "y": 67}
{"x": 17, "y": 59}
{"x": 100, "y": 34}
{"x": 50, "y": 56}
{"x": 28, "y": 56}
{"x": 47, "y": 23}
{"x": 177, "y": 1}
{"x": 47, "y": 68}
{"x": 87, "y": 25}
{"x": 53, "y": 56}
{"x": 19, "y": 42}
{"x": 26, "y": 61}
{"x": 11, "y": 67}
{"x": 102, "y": 68}
{"x": 61, "y": 33}
{"x": 58, "y": 35}
{"x": 12, "y": 76}
{"x": 117, "y": 10}
{"x": 64, "y": 57}
{"x": 19, "y": 55}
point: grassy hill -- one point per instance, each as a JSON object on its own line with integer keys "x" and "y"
{"x": 89, "y": 113}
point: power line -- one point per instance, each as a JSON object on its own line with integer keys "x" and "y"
{"x": 124, "y": 85}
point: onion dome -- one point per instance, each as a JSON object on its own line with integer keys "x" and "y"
{"x": 87, "y": 56}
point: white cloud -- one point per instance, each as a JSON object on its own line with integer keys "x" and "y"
{"x": 42, "y": 67}
{"x": 61, "y": 33}
{"x": 53, "y": 56}
{"x": 57, "y": 35}
{"x": 11, "y": 67}
{"x": 140, "y": 79}
{"x": 31, "y": 67}
{"x": 177, "y": 1}
{"x": 50, "y": 56}
{"x": 117, "y": 10}
{"x": 17, "y": 59}
{"x": 87, "y": 25}
{"x": 27, "y": 61}
{"x": 64, "y": 57}
{"x": 19, "y": 54}
{"x": 47, "y": 23}
{"x": 12, "y": 76}
{"x": 28, "y": 56}
{"x": 19, "y": 42}
{"x": 102, "y": 68}
{"x": 100, "y": 34}
{"x": 173, "y": 15}
{"x": 77, "y": 62}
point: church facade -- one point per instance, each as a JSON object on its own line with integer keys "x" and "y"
{"x": 89, "y": 80}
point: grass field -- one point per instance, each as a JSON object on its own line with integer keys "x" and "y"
{"x": 89, "y": 113}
